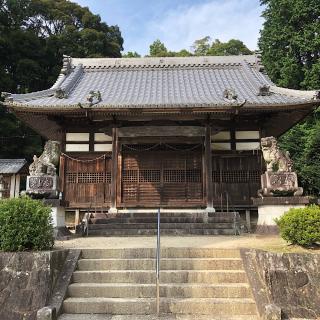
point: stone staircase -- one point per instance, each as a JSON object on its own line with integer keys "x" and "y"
{"x": 172, "y": 223}
{"x": 194, "y": 284}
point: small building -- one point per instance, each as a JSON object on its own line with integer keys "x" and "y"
{"x": 13, "y": 173}
{"x": 169, "y": 132}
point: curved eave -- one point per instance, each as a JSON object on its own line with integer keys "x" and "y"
{"x": 312, "y": 95}
{"x": 190, "y": 108}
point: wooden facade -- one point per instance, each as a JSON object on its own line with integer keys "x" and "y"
{"x": 169, "y": 132}
{"x": 162, "y": 169}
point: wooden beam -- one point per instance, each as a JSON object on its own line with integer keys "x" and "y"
{"x": 208, "y": 167}
{"x": 161, "y": 131}
{"x": 62, "y": 172}
{"x": 114, "y": 171}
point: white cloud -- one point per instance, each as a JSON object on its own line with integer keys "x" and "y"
{"x": 222, "y": 19}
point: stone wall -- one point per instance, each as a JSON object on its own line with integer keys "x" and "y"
{"x": 290, "y": 281}
{"x": 27, "y": 280}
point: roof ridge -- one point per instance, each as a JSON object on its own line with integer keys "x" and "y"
{"x": 162, "y": 61}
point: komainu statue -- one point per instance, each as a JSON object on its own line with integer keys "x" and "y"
{"x": 46, "y": 164}
{"x": 276, "y": 160}
{"x": 279, "y": 179}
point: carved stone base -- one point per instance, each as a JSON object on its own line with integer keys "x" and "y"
{"x": 43, "y": 186}
{"x": 274, "y": 207}
{"x": 279, "y": 184}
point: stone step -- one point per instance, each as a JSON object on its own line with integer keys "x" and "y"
{"x": 166, "y": 264}
{"x": 154, "y": 317}
{"x": 214, "y": 306}
{"x": 106, "y": 220}
{"x": 144, "y": 306}
{"x": 163, "y": 214}
{"x": 164, "y": 226}
{"x": 166, "y": 276}
{"x": 131, "y": 290}
{"x": 135, "y": 253}
{"x": 153, "y": 232}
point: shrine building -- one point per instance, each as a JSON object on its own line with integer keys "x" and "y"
{"x": 162, "y": 132}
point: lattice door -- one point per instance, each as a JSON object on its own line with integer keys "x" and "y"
{"x": 239, "y": 176}
{"x": 88, "y": 183}
{"x": 164, "y": 178}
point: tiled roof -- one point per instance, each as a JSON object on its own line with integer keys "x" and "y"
{"x": 11, "y": 166}
{"x": 163, "y": 83}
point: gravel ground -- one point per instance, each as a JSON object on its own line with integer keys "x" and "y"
{"x": 273, "y": 243}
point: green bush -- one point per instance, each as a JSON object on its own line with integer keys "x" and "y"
{"x": 301, "y": 226}
{"x": 25, "y": 224}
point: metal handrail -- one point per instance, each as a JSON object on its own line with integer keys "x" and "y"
{"x": 235, "y": 214}
{"x": 158, "y": 263}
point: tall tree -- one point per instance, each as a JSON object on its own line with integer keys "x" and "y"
{"x": 131, "y": 54}
{"x": 158, "y": 49}
{"x": 290, "y": 42}
{"x": 34, "y": 35}
{"x": 233, "y": 47}
{"x": 290, "y": 45}
{"x": 201, "y": 46}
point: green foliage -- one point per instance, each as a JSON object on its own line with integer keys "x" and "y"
{"x": 14, "y": 145}
{"x": 158, "y": 49}
{"x": 25, "y": 224}
{"x": 290, "y": 46}
{"x": 131, "y": 54}
{"x": 201, "y": 46}
{"x": 231, "y": 48}
{"x": 301, "y": 226}
{"x": 290, "y": 42}
{"x": 34, "y": 35}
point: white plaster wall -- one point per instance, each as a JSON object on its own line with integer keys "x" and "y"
{"x": 267, "y": 213}
{"x": 58, "y": 216}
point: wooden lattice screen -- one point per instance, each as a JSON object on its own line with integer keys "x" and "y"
{"x": 88, "y": 182}
{"x": 155, "y": 178}
{"x": 237, "y": 176}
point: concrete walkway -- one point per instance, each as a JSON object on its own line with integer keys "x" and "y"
{"x": 272, "y": 243}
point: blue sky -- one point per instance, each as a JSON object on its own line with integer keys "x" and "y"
{"x": 178, "y": 23}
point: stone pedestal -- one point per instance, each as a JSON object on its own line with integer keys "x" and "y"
{"x": 44, "y": 186}
{"x": 280, "y": 183}
{"x": 57, "y": 211}
{"x": 270, "y": 208}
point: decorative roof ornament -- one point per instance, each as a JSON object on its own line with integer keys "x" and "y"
{"x": 94, "y": 97}
{"x": 259, "y": 64}
{"x": 7, "y": 96}
{"x": 60, "y": 94}
{"x": 230, "y": 94}
{"x": 317, "y": 95}
{"x": 264, "y": 90}
{"x": 66, "y": 68}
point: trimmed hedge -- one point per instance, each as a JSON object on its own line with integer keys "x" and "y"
{"x": 301, "y": 226}
{"x": 25, "y": 224}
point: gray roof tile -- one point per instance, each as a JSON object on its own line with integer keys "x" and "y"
{"x": 11, "y": 166}
{"x": 165, "y": 82}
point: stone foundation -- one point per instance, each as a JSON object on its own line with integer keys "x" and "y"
{"x": 289, "y": 281}
{"x": 270, "y": 208}
{"x": 27, "y": 280}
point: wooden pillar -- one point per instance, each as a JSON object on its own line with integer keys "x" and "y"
{"x": 17, "y": 183}
{"x": 208, "y": 167}
{"x": 12, "y": 186}
{"x": 62, "y": 173}
{"x": 114, "y": 171}
{"x": 77, "y": 217}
